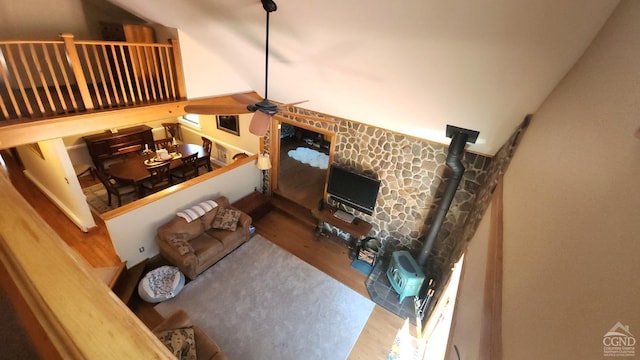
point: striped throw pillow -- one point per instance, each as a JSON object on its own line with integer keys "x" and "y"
{"x": 197, "y": 211}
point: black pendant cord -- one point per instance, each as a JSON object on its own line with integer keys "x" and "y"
{"x": 266, "y": 62}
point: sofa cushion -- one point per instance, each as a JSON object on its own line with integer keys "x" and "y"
{"x": 226, "y": 219}
{"x": 229, "y": 239}
{"x": 179, "y": 242}
{"x": 207, "y": 218}
{"x": 179, "y": 225}
{"x": 181, "y": 342}
{"x": 206, "y": 246}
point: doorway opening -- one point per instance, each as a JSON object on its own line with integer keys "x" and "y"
{"x": 304, "y": 154}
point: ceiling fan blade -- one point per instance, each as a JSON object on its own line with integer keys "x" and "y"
{"x": 293, "y": 103}
{"x": 246, "y": 99}
{"x": 216, "y": 109}
{"x": 259, "y": 123}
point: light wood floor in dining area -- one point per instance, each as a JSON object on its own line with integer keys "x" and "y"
{"x": 296, "y": 237}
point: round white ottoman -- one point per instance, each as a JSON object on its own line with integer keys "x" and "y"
{"x": 161, "y": 284}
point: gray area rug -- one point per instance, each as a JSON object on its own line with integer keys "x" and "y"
{"x": 261, "y": 302}
{"x": 98, "y": 199}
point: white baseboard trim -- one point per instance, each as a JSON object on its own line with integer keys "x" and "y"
{"x": 57, "y": 202}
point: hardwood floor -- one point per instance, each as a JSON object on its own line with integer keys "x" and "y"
{"x": 95, "y": 245}
{"x": 329, "y": 256}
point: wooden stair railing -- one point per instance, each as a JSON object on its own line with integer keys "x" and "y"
{"x": 43, "y": 79}
{"x": 68, "y": 312}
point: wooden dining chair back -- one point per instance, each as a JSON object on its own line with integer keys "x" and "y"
{"x": 115, "y": 187}
{"x": 239, "y": 156}
{"x": 189, "y": 168}
{"x": 159, "y": 179}
{"x": 172, "y": 130}
{"x": 165, "y": 143}
{"x": 205, "y": 161}
{"x": 130, "y": 151}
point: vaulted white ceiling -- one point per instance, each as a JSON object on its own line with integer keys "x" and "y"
{"x": 411, "y": 66}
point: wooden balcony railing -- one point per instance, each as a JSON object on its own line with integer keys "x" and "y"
{"x": 46, "y": 79}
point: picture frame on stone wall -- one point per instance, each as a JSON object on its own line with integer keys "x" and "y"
{"x": 228, "y": 123}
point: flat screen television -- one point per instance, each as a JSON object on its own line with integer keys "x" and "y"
{"x": 352, "y": 189}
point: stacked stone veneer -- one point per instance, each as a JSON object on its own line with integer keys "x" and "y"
{"x": 413, "y": 175}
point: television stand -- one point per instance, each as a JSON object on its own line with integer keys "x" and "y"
{"x": 357, "y": 229}
{"x": 344, "y": 216}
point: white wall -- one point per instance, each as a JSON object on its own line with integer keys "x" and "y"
{"x": 45, "y": 20}
{"x": 137, "y": 228}
{"x": 467, "y": 322}
{"x": 196, "y": 59}
{"x": 572, "y": 207}
{"x": 222, "y": 152}
{"x": 42, "y": 20}
{"x": 51, "y": 171}
{"x": 246, "y": 141}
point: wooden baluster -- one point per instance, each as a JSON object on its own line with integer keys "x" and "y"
{"x": 170, "y": 75}
{"x": 32, "y": 83}
{"x": 134, "y": 65}
{"x": 155, "y": 75}
{"x": 148, "y": 73}
{"x": 76, "y": 67}
{"x": 62, "y": 65}
{"x": 177, "y": 60}
{"x": 123, "y": 89}
{"x": 12, "y": 62}
{"x": 161, "y": 75}
{"x": 7, "y": 83}
{"x": 54, "y": 77}
{"x": 103, "y": 80}
{"x": 43, "y": 80}
{"x": 89, "y": 67}
{"x": 110, "y": 73}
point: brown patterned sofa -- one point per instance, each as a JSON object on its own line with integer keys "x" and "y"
{"x": 170, "y": 332}
{"x": 196, "y": 245}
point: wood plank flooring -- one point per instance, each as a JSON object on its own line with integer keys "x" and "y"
{"x": 95, "y": 245}
{"x": 298, "y": 182}
{"x": 327, "y": 255}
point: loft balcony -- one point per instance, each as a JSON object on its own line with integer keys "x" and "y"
{"x": 44, "y": 80}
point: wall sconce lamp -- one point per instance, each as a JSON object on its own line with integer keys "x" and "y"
{"x": 264, "y": 164}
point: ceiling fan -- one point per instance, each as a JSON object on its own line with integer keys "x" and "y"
{"x": 263, "y": 110}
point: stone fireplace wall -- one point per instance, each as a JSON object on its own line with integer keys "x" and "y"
{"x": 413, "y": 174}
{"x": 413, "y": 177}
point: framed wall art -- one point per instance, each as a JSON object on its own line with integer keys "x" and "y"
{"x": 228, "y": 123}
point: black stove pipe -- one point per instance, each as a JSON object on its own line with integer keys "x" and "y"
{"x": 454, "y": 157}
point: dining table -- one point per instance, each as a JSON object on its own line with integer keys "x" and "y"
{"x": 134, "y": 169}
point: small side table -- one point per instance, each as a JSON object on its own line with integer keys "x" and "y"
{"x": 255, "y": 205}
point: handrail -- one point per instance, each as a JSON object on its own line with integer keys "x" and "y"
{"x": 79, "y": 315}
{"x": 40, "y": 79}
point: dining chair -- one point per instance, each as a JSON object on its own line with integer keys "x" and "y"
{"x": 239, "y": 156}
{"x": 165, "y": 143}
{"x": 172, "y": 130}
{"x": 205, "y": 161}
{"x": 189, "y": 168}
{"x": 160, "y": 178}
{"x": 130, "y": 151}
{"x": 115, "y": 187}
